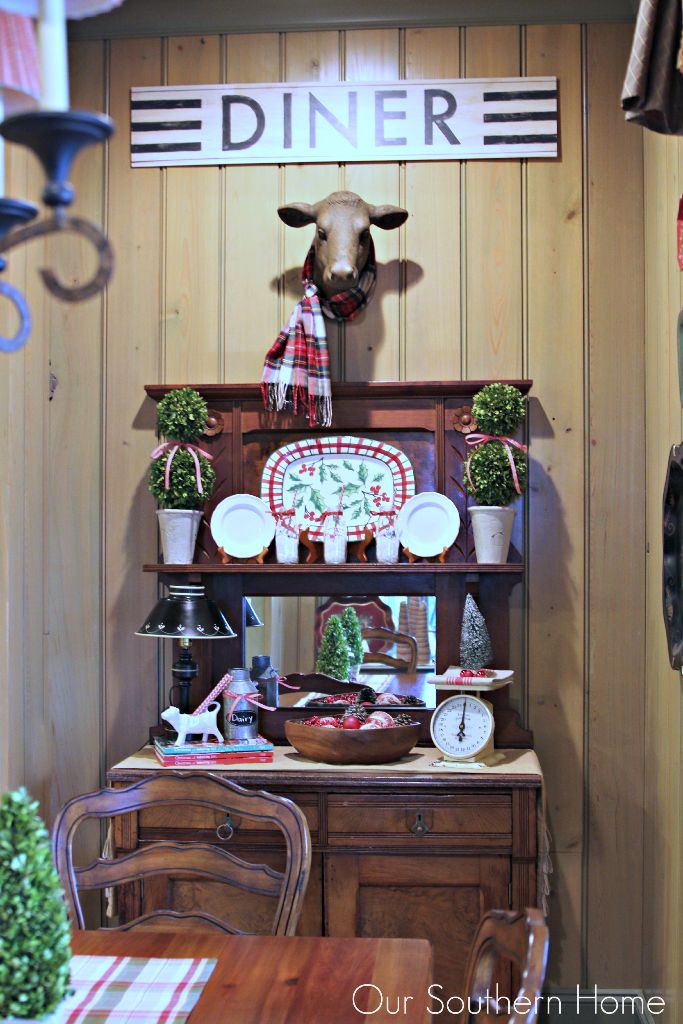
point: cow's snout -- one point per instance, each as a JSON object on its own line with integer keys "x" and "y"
{"x": 343, "y": 272}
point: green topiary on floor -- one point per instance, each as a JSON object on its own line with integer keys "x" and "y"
{"x": 35, "y": 934}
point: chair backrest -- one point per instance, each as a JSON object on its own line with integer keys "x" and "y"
{"x": 405, "y": 659}
{"x": 188, "y": 860}
{"x": 371, "y": 611}
{"x": 519, "y": 938}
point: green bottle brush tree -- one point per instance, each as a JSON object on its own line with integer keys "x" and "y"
{"x": 333, "y": 656}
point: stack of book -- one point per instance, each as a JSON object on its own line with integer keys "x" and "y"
{"x": 235, "y": 752}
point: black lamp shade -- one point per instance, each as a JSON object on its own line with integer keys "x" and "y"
{"x": 187, "y": 612}
{"x": 250, "y": 616}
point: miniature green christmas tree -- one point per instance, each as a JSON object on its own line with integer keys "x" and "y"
{"x": 352, "y": 632}
{"x": 333, "y": 657}
{"x": 475, "y": 643}
{"x": 35, "y": 934}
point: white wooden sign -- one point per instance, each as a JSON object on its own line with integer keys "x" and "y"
{"x": 454, "y": 119}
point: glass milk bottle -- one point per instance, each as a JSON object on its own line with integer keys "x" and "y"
{"x": 386, "y": 544}
{"x": 240, "y": 720}
{"x": 286, "y": 541}
{"x": 334, "y": 538}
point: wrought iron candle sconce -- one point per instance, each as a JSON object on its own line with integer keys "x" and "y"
{"x": 56, "y": 137}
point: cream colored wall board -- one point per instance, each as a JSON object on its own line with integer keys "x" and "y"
{"x": 431, "y": 307}
{"x": 617, "y": 519}
{"x": 557, "y": 485}
{"x": 492, "y": 251}
{"x": 310, "y": 56}
{"x": 662, "y": 890}
{"x": 373, "y": 341}
{"x": 194, "y": 245}
{"x": 132, "y": 359}
{"x": 252, "y": 238}
{"x": 13, "y": 470}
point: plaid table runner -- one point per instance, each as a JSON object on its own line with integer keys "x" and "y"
{"x": 119, "y": 989}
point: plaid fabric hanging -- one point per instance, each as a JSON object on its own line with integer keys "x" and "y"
{"x": 297, "y": 366}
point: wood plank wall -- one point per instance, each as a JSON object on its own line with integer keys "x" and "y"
{"x": 663, "y": 821}
{"x": 503, "y": 269}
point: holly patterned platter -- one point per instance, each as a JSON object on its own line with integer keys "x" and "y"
{"x": 309, "y": 475}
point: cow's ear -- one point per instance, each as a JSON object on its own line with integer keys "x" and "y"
{"x": 387, "y": 217}
{"x": 297, "y": 215}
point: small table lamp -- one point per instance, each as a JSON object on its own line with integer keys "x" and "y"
{"x": 186, "y": 614}
{"x": 250, "y": 616}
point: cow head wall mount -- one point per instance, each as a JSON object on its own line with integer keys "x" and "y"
{"x": 342, "y": 237}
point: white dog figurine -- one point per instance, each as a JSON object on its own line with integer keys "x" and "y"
{"x": 205, "y": 723}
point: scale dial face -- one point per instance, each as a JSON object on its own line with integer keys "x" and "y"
{"x": 462, "y": 726}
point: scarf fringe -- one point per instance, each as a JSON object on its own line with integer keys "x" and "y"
{"x": 278, "y": 397}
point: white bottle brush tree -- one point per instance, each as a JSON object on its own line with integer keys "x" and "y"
{"x": 475, "y": 643}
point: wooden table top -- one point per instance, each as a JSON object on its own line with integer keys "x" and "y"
{"x": 267, "y": 979}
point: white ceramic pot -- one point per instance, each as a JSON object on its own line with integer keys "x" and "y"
{"x": 178, "y": 528}
{"x": 492, "y": 528}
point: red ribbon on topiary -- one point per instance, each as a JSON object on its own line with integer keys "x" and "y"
{"x": 172, "y": 447}
{"x": 508, "y": 443}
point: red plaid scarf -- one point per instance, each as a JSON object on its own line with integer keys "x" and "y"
{"x": 297, "y": 366}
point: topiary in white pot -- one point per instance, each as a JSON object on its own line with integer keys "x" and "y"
{"x": 181, "y": 476}
{"x": 35, "y": 935}
{"x": 496, "y": 470}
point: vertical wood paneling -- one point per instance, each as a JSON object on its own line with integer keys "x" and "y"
{"x": 193, "y": 281}
{"x": 433, "y": 230}
{"x": 309, "y": 56}
{"x": 662, "y": 941}
{"x": 372, "y": 342}
{"x": 205, "y": 275}
{"x": 19, "y": 482}
{"x": 74, "y": 459}
{"x": 252, "y": 235}
{"x": 132, "y": 353}
{"x": 556, "y": 580}
{"x": 617, "y": 456}
{"x": 493, "y": 242}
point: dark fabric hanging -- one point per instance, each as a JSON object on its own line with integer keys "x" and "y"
{"x": 653, "y": 88}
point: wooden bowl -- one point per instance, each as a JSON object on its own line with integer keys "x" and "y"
{"x": 352, "y": 746}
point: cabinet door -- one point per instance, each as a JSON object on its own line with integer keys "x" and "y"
{"x": 434, "y": 897}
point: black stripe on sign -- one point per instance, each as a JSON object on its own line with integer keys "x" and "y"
{"x": 525, "y": 94}
{"x": 167, "y": 147}
{"x": 164, "y": 126}
{"x": 163, "y": 104}
{"x": 531, "y": 115}
{"x": 517, "y": 140}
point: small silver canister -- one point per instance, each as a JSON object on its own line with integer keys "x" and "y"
{"x": 240, "y": 718}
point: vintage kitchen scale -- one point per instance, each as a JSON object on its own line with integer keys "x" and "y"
{"x": 462, "y": 725}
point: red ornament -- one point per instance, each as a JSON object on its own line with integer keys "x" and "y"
{"x": 351, "y": 722}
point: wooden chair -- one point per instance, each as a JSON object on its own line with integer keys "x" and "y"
{"x": 506, "y": 937}
{"x": 390, "y": 636}
{"x": 188, "y": 860}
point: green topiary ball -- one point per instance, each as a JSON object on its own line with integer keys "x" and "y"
{"x": 491, "y": 474}
{"x": 182, "y": 492}
{"x": 498, "y": 409}
{"x": 182, "y": 414}
{"x": 34, "y": 935}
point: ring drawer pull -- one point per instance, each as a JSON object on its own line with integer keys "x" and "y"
{"x": 227, "y": 829}
{"x": 420, "y": 827}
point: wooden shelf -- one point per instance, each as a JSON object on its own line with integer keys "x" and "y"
{"x": 399, "y": 569}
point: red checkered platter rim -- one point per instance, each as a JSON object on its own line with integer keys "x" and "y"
{"x": 308, "y": 476}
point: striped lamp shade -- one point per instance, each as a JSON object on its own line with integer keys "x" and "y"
{"x": 19, "y": 73}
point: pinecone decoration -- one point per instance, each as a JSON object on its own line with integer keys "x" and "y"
{"x": 475, "y": 643}
{"x": 366, "y": 693}
{"x": 410, "y": 699}
{"x": 403, "y": 719}
{"x": 358, "y": 710}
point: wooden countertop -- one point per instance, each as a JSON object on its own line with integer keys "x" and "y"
{"x": 422, "y": 765}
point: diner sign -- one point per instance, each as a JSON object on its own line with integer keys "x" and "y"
{"x": 282, "y": 123}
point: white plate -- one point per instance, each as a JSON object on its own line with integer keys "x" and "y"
{"x": 428, "y": 523}
{"x": 242, "y": 525}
